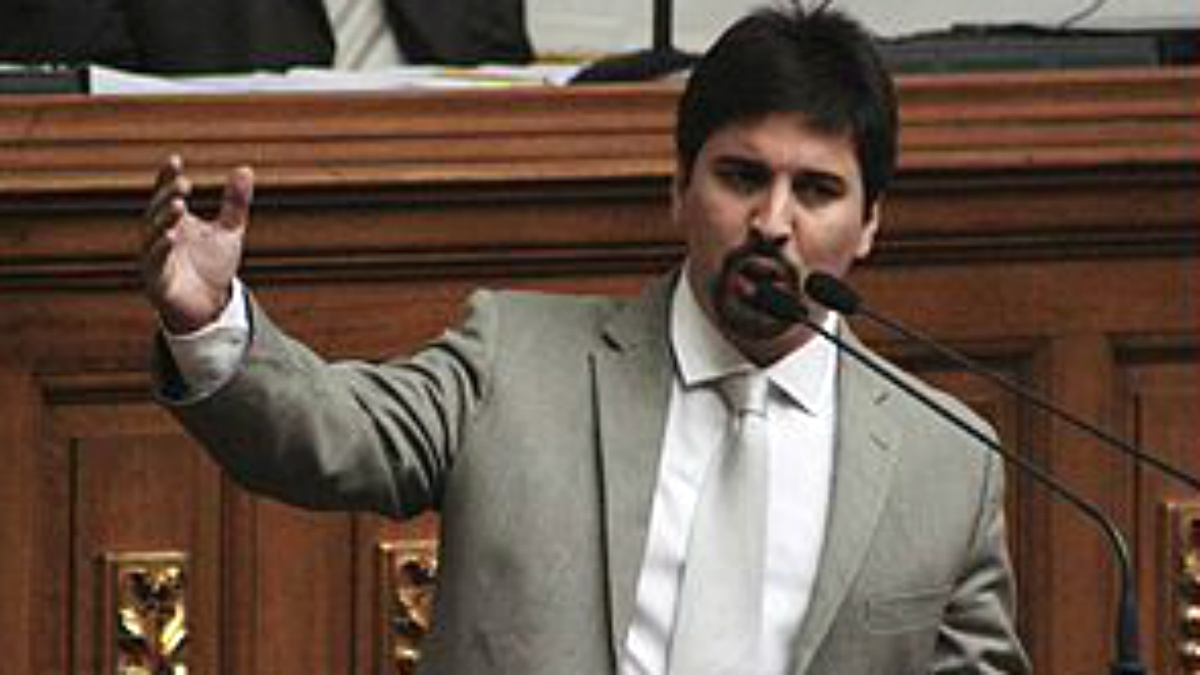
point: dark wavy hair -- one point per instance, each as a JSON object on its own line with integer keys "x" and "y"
{"x": 817, "y": 62}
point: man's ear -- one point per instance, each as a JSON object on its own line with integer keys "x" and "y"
{"x": 870, "y": 228}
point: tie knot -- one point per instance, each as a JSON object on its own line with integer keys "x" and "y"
{"x": 745, "y": 392}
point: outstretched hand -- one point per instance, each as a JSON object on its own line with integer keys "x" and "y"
{"x": 188, "y": 263}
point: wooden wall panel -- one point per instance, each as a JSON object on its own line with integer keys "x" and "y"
{"x": 1159, "y": 391}
{"x": 1047, "y": 223}
{"x": 19, "y": 443}
{"x": 293, "y": 578}
{"x": 133, "y": 495}
{"x": 120, "y": 479}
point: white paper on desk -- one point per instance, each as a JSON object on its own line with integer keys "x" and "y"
{"x": 110, "y": 81}
{"x": 104, "y": 80}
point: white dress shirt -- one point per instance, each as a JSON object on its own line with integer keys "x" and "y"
{"x": 801, "y": 404}
{"x": 208, "y": 357}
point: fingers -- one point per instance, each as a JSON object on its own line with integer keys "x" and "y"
{"x": 168, "y": 204}
{"x": 166, "y": 184}
{"x": 154, "y": 259}
{"x": 236, "y": 199}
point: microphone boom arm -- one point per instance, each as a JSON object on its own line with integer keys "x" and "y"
{"x": 1034, "y": 398}
{"x": 1128, "y": 661}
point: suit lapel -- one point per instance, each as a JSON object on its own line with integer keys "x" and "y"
{"x": 632, "y": 376}
{"x": 866, "y": 449}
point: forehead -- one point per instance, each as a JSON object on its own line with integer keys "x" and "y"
{"x": 784, "y": 141}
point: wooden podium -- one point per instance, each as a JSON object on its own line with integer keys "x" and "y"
{"x": 1046, "y": 223}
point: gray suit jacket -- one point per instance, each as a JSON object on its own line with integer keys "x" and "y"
{"x": 535, "y": 429}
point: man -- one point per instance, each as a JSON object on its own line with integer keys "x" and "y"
{"x": 576, "y": 447}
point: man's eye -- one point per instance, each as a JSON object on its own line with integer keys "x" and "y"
{"x": 817, "y": 191}
{"x": 743, "y": 179}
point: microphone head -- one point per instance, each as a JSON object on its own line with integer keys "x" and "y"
{"x": 777, "y": 303}
{"x": 831, "y": 292}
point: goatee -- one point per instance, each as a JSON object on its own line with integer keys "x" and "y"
{"x": 758, "y": 260}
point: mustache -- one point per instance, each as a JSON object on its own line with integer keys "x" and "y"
{"x": 760, "y": 247}
{"x": 758, "y": 244}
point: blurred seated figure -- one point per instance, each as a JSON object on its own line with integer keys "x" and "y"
{"x": 231, "y": 36}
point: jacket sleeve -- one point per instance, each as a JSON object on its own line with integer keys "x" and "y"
{"x": 978, "y": 634}
{"x": 342, "y": 435}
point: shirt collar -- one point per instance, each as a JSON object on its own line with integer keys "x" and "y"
{"x": 703, "y": 355}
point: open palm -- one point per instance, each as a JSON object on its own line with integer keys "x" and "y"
{"x": 188, "y": 263}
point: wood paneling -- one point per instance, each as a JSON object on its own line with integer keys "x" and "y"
{"x": 19, "y": 502}
{"x": 135, "y": 494}
{"x": 1046, "y": 223}
{"x": 1159, "y": 396}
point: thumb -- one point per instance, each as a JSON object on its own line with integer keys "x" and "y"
{"x": 235, "y": 201}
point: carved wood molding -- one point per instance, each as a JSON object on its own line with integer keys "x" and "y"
{"x": 977, "y": 123}
{"x": 545, "y": 181}
{"x": 65, "y": 144}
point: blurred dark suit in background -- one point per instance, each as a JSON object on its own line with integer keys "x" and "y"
{"x": 229, "y": 36}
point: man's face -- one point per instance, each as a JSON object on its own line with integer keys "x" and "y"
{"x": 769, "y": 199}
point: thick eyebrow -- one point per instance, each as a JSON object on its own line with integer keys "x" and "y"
{"x": 738, "y": 162}
{"x": 824, "y": 178}
{"x": 741, "y": 162}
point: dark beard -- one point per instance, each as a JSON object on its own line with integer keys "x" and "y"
{"x": 757, "y": 260}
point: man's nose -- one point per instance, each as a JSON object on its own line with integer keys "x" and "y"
{"x": 773, "y": 214}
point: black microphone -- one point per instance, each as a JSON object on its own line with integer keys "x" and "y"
{"x": 1127, "y": 662}
{"x": 834, "y": 294}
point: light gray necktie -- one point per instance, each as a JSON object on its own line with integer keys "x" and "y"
{"x": 720, "y": 608}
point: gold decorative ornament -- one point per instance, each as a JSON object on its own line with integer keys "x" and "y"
{"x": 1183, "y": 587}
{"x": 408, "y": 583}
{"x": 144, "y": 614}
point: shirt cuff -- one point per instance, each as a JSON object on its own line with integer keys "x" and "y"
{"x": 208, "y": 358}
